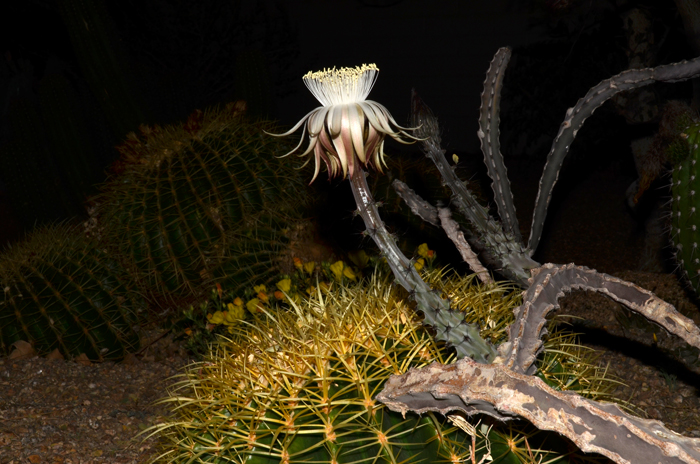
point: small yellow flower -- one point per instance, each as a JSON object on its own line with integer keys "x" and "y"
{"x": 298, "y": 263}
{"x": 423, "y": 250}
{"x": 309, "y": 267}
{"x": 253, "y": 305}
{"x": 279, "y": 295}
{"x": 359, "y": 258}
{"x": 284, "y": 285}
{"x": 262, "y": 296}
{"x": 337, "y": 270}
{"x": 234, "y": 314}
{"x": 259, "y": 288}
{"x": 419, "y": 264}
{"x": 188, "y": 332}
{"x": 216, "y": 318}
{"x": 349, "y": 273}
{"x": 238, "y": 302}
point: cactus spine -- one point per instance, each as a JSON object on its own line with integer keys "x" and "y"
{"x": 61, "y": 291}
{"x": 299, "y": 386}
{"x": 183, "y": 189}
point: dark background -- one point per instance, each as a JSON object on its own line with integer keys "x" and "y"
{"x": 175, "y": 56}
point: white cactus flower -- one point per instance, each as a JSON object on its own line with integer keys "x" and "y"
{"x": 347, "y": 129}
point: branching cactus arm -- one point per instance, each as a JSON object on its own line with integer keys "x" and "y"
{"x": 576, "y": 116}
{"x": 489, "y": 119}
{"x": 452, "y": 230}
{"x": 551, "y": 282}
{"x": 442, "y": 217}
{"x": 417, "y": 205}
{"x": 448, "y": 323}
{"x": 427, "y": 128}
{"x": 493, "y": 389}
{"x": 502, "y": 251}
{"x": 347, "y": 133}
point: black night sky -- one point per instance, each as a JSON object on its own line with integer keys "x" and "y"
{"x": 179, "y": 56}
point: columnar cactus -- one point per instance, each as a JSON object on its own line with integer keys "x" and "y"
{"x": 685, "y": 194}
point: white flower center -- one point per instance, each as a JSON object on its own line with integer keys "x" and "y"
{"x": 341, "y": 86}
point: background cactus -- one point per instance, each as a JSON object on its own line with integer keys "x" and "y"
{"x": 257, "y": 251}
{"x": 685, "y": 235}
{"x": 181, "y": 189}
{"x": 61, "y": 291}
{"x": 299, "y": 386}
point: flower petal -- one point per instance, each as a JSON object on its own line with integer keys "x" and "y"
{"x": 346, "y": 138}
{"x": 317, "y": 121}
{"x": 342, "y": 155}
{"x": 355, "y": 122}
{"x": 335, "y": 115}
{"x": 296, "y": 126}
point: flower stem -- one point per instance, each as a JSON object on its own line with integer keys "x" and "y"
{"x": 448, "y": 323}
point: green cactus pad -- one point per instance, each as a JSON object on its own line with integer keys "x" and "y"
{"x": 63, "y": 292}
{"x": 180, "y": 189}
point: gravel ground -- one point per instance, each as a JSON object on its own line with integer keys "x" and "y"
{"x": 57, "y": 411}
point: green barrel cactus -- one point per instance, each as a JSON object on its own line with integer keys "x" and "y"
{"x": 257, "y": 252}
{"x": 300, "y": 385}
{"x": 181, "y": 190}
{"x": 685, "y": 193}
{"x": 62, "y": 291}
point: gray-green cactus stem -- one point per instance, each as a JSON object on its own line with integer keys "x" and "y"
{"x": 449, "y": 324}
{"x": 501, "y": 250}
{"x": 499, "y": 392}
{"x": 551, "y": 282}
{"x": 576, "y": 116}
{"x": 489, "y": 118}
{"x": 442, "y": 217}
